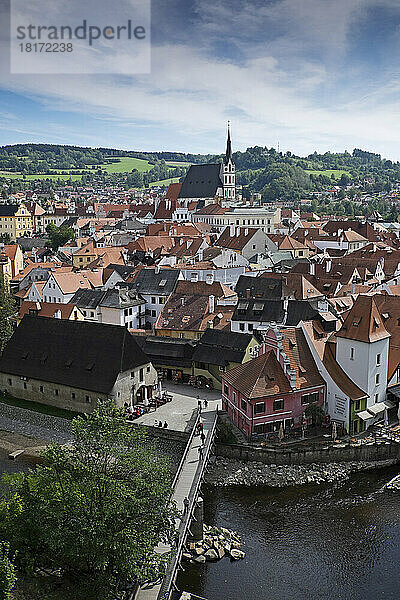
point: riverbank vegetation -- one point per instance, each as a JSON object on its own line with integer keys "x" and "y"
{"x": 92, "y": 515}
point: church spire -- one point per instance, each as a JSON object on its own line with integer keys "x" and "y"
{"x": 228, "y": 154}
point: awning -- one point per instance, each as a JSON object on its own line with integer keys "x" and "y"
{"x": 377, "y": 408}
{"x": 364, "y": 415}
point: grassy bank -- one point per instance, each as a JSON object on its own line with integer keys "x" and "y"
{"x": 37, "y": 407}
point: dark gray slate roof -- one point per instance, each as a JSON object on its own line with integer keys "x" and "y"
{"x": 123, "y": 270}
{"x": 87, "y": 356}
{"x": 8, "y": 210}
{"x": 162, "y": 283}
{"x": 87, "y": 298}
{"x": 220, "y": 347}
{"x": 268, "y": 311}
{"x": 130, "y": 225}
{"x": 121, "y": 298}
{"x": 113, "y": 298}
{"x": 27, "y": 243}
{"x": 167, "y": 351}
{"x": 260, "y": 287}
{"x": 201, "y": 181}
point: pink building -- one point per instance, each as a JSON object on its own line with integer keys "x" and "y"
{"x": 274, "y": 388}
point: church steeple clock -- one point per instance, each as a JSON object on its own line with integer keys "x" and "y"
{"x": 229, "y": 170}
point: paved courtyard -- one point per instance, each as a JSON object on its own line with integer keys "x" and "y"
{"x": 179, "y": 412}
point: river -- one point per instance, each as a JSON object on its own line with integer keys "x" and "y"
{"x": 337, "y": 542}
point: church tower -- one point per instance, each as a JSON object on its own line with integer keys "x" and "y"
{"x": 229, "y": 178}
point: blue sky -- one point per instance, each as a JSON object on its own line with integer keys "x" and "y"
{"x": 310, "y": 74}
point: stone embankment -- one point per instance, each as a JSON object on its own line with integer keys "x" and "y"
{"x": 228, "y": 472}
{"x": 216, "y": 543}
{"x": 34, "y": 424}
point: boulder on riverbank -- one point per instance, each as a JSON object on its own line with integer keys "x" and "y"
{"x": 216, "y": 543}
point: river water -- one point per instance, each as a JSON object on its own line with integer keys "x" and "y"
{"x": 337, "y": 542}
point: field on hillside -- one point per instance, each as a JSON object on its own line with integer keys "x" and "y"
{"x": 126, "y": 164}
{"x": 337, "y": 173}
{"x": 177, "y": 163}
{"x": 166, "y": 181}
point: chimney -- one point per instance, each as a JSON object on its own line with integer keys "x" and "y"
{"x": 57, "y": 314}
{"x": 237, "y": 231}
{"x": 292, "y": 378}
{"x": 285, "y": 304}
{"x": 210, "y": 278}
{"x": 248, "y": 292}
{"x": 286, "y": 364}
{"x": 232, "y": 230}
{"x": 312, "y": 268}
{"x": 328, "y": 265}
{"x": 156, "y": 269}
{"x": 246, "y": 232}
{"x": 211, "y": 304}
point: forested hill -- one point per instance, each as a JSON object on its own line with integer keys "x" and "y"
{"x": 275, "y": 175}
{"x": 31, "y": 158}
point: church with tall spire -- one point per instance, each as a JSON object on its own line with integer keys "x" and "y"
{"x": 211, "y": 183}
{"x": 229, "y": 176}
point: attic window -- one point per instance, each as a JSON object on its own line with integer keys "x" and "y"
{"x": 68, "y": 363}
{"x": 162, "y": 282}
{"x": 385, "y": 316}
{"x": 376, "y": 322}
{"x": 258, "y": 306}
{"x": 24, "y": 355}
{"x": 357, "y": 322}
{"x": 44, "y": 358}
{"x": 90, "y": 366}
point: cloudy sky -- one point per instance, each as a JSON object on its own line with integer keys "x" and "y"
{"x": 309, "y": 74}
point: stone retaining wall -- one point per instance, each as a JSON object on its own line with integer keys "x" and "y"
{"x": 303, "y": 456}
{"x": 165, "y": 434}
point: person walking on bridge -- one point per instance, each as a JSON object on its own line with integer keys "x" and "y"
{"x": 202, "y": 437}
{"x": 185, "y": 505}
{"x": 201, "y": 451}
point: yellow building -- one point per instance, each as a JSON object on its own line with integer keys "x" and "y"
{"x": 11, "y": 261}
{"x": 15, "y": 220}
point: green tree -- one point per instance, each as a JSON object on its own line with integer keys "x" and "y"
{"x": 97, "y": 509}
{"x": 8, "y": 576}
{"x": 58, "y": 236}
{"x": 7, "y": 310}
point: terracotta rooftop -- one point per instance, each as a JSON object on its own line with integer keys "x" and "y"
{"x": 260, "y": 377}
{"x": 363, "y": 323}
